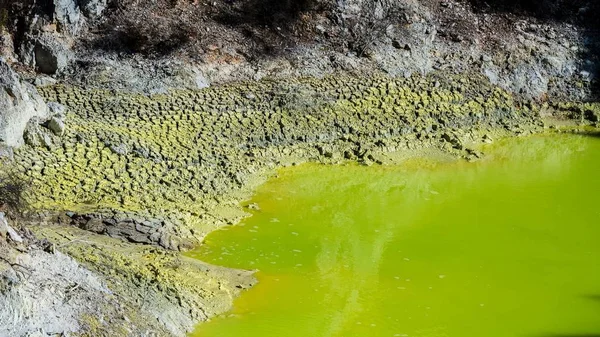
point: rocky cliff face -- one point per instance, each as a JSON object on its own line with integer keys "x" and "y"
{"x": 19, "y": 103}
{"x": 537, "y": 49}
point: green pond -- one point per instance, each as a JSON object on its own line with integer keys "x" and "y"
{"x": 506, "y": 246}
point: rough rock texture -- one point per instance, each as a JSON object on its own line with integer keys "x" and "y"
{"x": 19, "y": 102}
{"x": 47, "y": 293}
{"x": 92, "y": 8}
{"x": 180, "y": 159}
{"x": 103, "y": 287}
{"x": 68, "y": 15}
{"x": 159, "y": 293}
{"x": 190, "y": 44}
{"x": 529, "y": 56}
{"x": 138, "y": 75}
{"x": 7, "y": 48}
{"x": 50, "y": 55}
{"x": 47, "y": 53}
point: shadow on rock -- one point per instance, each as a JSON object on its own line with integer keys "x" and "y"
{"x": 267, "y": 24}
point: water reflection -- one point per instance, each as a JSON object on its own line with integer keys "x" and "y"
{"x": 456, "y": 249}
{"x": 350, "y": 258}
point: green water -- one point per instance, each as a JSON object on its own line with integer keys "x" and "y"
{"x": 507, "y": 246}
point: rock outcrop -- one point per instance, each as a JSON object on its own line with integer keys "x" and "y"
{"x": 68, "y": 15}
{"x": 92, "y": 8}
{"x": 19, "y": 102}
{"x": 47, "y": 53}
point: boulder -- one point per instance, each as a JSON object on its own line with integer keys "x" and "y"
{"x": 43, "y": 81}
{"x": 56, "y": 125}
{"x": 92, "y": 8}
{"x": 19, "y": 102}
{"x": 35, "y": 134}
{"x": 68, "y": 16}
{"x": 48, "y": 53}
{"x": 51, "y": 55}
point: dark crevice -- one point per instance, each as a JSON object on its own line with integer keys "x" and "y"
{"x": 271, "y": 13}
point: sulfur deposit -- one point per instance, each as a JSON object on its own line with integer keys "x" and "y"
{"x": 164, "y": 170}
{"x": 154, "y": 169}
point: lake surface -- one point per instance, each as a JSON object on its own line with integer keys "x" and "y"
{"x": 506, "y": 246}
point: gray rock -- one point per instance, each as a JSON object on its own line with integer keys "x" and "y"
{"x": 6, "y": 152}
{"x": 26, "y": 50}
{"x": 68, "y": 16}
{"x": 3, "y": 225}
{"x": 19, "y": 102}
{"x": 42, "y": 81}
{"x": 56, "y": 125}
{"x": 51, "y": 55}
{"x": 47, "y": 141}
{"x": 56, "y": 109}
{"x": 95, "y": 225}
{"x": 6, "y": 45}
{"x": 36, "y": 134}
{"x": 33, "y": 133}
{"x": 14, "y": 236}
{"x": 7, "y": 230}
{"x": 92, "y": 8}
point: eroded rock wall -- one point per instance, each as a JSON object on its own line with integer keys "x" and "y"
{"x": 19, "y": 102}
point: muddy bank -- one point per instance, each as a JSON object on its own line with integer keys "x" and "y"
{"x": 134, "y": 178}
